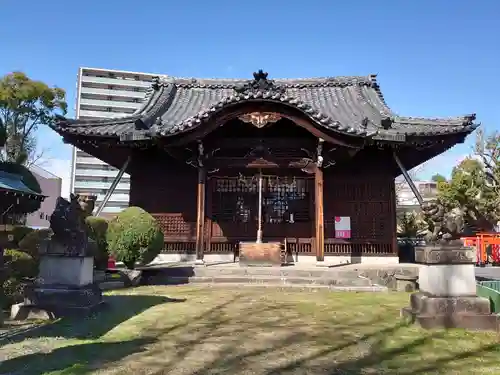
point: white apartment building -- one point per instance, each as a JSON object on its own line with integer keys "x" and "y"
{"x": 405, "y": 197}
{"x": 104, "y": 93}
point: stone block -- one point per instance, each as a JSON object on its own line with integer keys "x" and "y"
{"x": 110, "y": 285}
{"x": 21, "y": 311}
{"x": 99, "y": 276}
{"x": 448, "y": 280}
{"x": 260, "y": 254}
{"x": 130, "y": 277}
{"x": 406, "y": 283}
{"x": 64, "y": 300}
{"x": 423, "y": 304}
{"x": 451, "y": 312}
{"x": 65, "y": 270}
{"x": 445, "y": 254}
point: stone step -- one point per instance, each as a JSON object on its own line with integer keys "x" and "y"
{"x": 109, "y": 285}
{"x": 305, "y": 287}
{"x": 252, "y": 271}
{"x": 268, "y": 280}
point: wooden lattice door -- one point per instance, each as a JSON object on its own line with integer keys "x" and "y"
{"x": 287, "y": 207}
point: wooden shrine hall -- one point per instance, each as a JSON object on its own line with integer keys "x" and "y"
{"x": 305, "y": 163}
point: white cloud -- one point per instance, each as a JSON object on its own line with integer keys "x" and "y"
{"x": 60, "y": 168}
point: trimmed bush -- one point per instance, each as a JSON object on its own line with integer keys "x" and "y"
{"x": 134, "y": 236}
{"x": 31, "y": 242}
{"x": 19, "y": 264}
{"x": 98, "y": 227}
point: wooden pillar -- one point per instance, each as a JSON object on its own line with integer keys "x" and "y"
{"x": 200, "y": 216}
{"x": 208, "y": 214}
{"x": 319, "y": 215}
{"x": 393, "y": 216}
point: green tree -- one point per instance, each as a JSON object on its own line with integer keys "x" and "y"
{"x": 488, "y": 150}
{"x": 438, "y": 178}
{"x": 25, "y": 104}
{"x": 468, "y": 188}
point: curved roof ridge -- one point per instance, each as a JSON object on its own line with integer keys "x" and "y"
{"x": 187, "y": 82}
{"x": 464, "y": 120}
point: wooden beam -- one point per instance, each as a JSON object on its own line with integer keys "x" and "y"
{"x": 252, "y": 142}
{"x": 200, "y": 213}
{"x": 319, "y": 215}
{"x": 257, "y": 162}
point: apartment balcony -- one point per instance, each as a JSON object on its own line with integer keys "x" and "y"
{"x": 113, "y": 92}
{"x": 109, "y": 104}
{"x": 116, "y": 81}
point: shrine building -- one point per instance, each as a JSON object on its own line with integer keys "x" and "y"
{"x": 307, "y": 163}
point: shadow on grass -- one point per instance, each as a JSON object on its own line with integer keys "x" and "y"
{"x": 74, "y": 359}
{"x": 395, "y": 348}
{"x": 242, "y": 334}
{"x": 116, "y": 310}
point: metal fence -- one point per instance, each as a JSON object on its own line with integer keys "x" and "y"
{"x": 490, "y": 289}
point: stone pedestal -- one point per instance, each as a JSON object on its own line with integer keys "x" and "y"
{"x": 65, "y": 270}
{"x": 65, "y": 286}
{"x": 265, "y": 254}
{"x": 447, "y": 296}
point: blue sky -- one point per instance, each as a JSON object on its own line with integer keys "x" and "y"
{"x": 433, "y": 58}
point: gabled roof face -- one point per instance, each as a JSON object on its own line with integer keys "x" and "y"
{"x": 348, "y": 105}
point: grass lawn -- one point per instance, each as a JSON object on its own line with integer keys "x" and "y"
{"x": 200, "y": 330}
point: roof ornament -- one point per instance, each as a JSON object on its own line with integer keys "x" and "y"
{"x": 319, "y": 153}
{"x": 260, "y": 119}
{"x": 260, "y": 83}
{"x": 156, "y": 83}
{"x": 387, "y": 122}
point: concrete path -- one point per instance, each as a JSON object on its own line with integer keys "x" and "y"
{"x": 492, "y": 273}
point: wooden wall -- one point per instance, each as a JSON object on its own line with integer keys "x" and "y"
{"x": 166, "y": 188}
{"x": 362, "y": 190}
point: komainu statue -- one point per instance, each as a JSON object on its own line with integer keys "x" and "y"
{"x": 444, "y": 226}
{"x": 70, "y": 234}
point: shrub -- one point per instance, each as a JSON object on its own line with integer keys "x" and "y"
{"x": 13, "y": 291}
{"x": 20, "y": 232}
{"x": 98, "y": 227}
{"x": 19, "y": 265}
{"x": 134, "y": 236}
{"x": 31, "y": 242}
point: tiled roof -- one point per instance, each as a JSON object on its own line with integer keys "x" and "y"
{"x": 349, "y": 105}
{"x": 13, "y": 183}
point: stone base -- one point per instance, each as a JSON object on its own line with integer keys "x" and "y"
{"x": 264, "y": 254}
{"x": 63, "y": 300}
{"x": 66, "y": 270}
{"x": 20, "y": 311}
{"x": 451, "y": 312}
